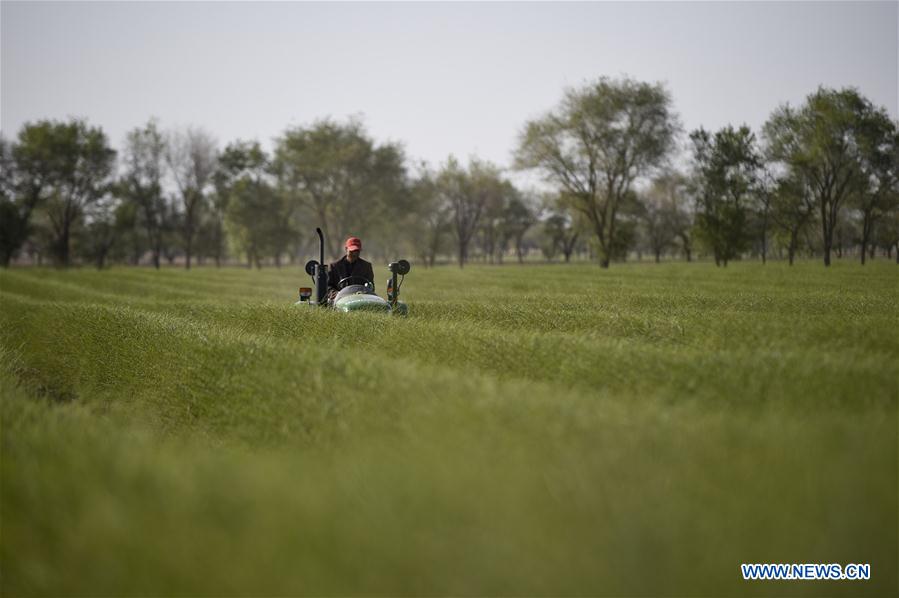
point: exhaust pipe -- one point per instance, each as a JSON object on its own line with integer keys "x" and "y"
{"x": 320, "y": 276}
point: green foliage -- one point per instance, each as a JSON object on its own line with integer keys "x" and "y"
{"x": 341, "y": 178}
{"x": 257, "y": 220}
{"x": 593, "y": 147}
{"x": 240, "y": 160}
{"x": 725, "y": 174}
{"x": 888, "y": 233}
{"x": 827, "y": 142}
{"x": 14, "y": 230}
{"x": 257, "y": 217}
{"x": 427, "y": 225}
{"x": 65, "y": 167}
{"x": 106, "y": 221}
{"x": 878, "y": 195}
{"x": 471, "y": 195}
{"x": 59, "y": 167}
{"x": 192, "y": 158}
{"x": 518, "y": 216}
{"x": 142, "y": 185}
{"x": 535, "y": 430}
{"x": 15, "y": 211}
{"x": 666, "y": 215}
{"x": 557, "y": 230}
{"x": 792, "y": 210}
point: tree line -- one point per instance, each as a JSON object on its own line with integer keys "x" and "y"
{"x": 821, "y": 178}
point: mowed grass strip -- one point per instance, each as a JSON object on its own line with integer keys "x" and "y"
{"x": 725, "y": 347}
{"x": 291, "y": 451}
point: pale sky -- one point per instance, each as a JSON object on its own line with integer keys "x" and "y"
{"x": 441, "y": 78}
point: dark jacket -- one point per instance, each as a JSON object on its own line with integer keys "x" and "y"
{"x": 342, "y": 269}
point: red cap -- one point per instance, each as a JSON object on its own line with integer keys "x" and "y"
{"x": 353, "y": 244}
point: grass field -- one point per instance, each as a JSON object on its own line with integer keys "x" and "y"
{"x": 539, "y": 430}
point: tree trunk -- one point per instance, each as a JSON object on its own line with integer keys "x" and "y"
{"x": 64, "y": 246}
{"x": 794, "y": 242}
{"x": 826, "y": 230}
{"x": 866, "y": 235}
{"x": 605, "y": 253}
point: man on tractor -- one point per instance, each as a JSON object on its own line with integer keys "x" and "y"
{"x": 350, "y": 269}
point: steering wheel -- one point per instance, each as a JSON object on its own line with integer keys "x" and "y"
{"x": 345, "y": 282}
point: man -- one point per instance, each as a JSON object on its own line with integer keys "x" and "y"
{"x": 349, "y": 265}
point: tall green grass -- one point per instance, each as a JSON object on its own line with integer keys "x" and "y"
{"x": 539, "y": 430}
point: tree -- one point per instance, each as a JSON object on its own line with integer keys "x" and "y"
{"x": 820, "y": 140}
{"x": 878, "y": 194}
{"x": 429, "y": 221}
{"x": 656, "y": 227}
{"x": 339, "y": 175}
{"x": 172, "y": 224}
{"x": 250, "y": 216}
{"x": 466, "y": 193}
{"x": 763, "y": 194}
{"x": 593, "y": 147}
{"x": 85, "y": 162}
{"x": 674, "y": 187}
{"x": 792, "y": 209}
{"x": 518, "y": 217}
{"x": 103, "y": 226}
{"x": 72, "y": 162}
{"x": 29, "y": 177}
{"x": 238, "y": 161}
{"x": 281, "y": 229}
{"x": 503, "y": 216}
{"x": 725, "y": 168}
{"x": 22, "y": 187}
{"x": 490, "y": 226}
{"x": 562, "y": 229}
{"x": 888, "y": 233}
{"x": 666, "y": 216}
{"x": 131, "y": 244}
{"x": 258, "y": 217}
{"x": 191, "y": 156}
{"x": 141, "y": 183}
